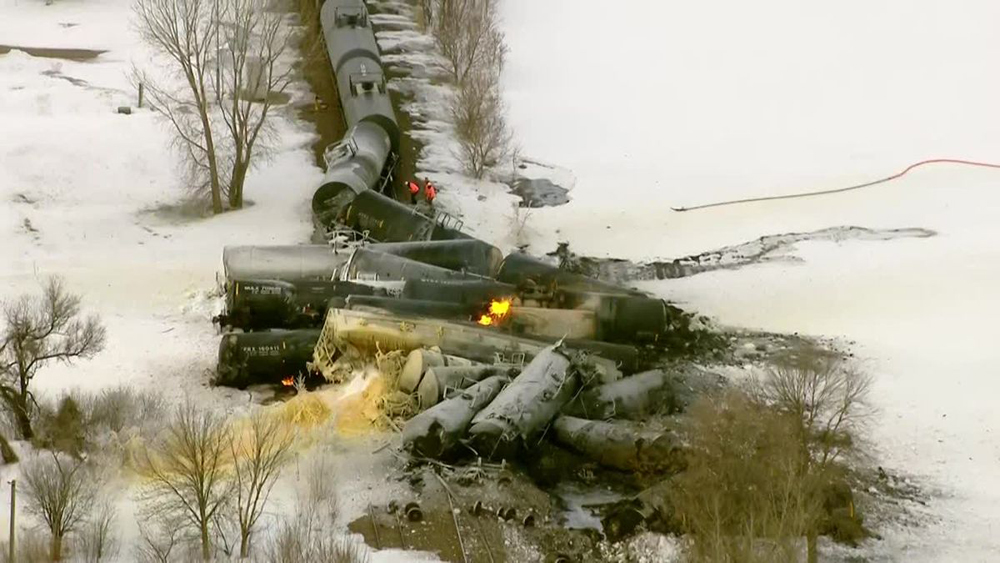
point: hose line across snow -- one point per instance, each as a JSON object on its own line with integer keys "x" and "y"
{"x": 841, "y": 190}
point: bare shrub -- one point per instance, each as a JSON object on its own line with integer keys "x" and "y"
{"x": 478, "y": 113}
{"x": 31, "y": 547}
{"x": 467, "y": 32}
{"x": 162, "y": 538}
{"x": 186, "y": 472}
{"x": 63, "y": 428}
{"x": 36, "y": 331}
{"x": 258, "y": 458}
{"x": 304, "y": 536}
{"x": 98, "y": 540}
{"x": 743, "y": 497}
{"x": 60, "y": 493}
{"x": 827, "y": 400}
{"x": 121, "y": 409}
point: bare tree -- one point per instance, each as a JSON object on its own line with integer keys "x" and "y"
{"x": 480, "y": 122}
{"x": 60, "y": 493}
{"x": 743, "y": 497}
{"x": 98, "y": 541}
{"x": 187, "y": 471}
{"x": 254, "y": 42}
{"x": 258, "y": 459}
{"x": 467, "y": 32}
{"x": 827, "y": 400}
{"x": 185, "y": 33}
{"x": 160, "y": 538}
{"x": 304, "y": 536}
{"x": 38, "y": 330}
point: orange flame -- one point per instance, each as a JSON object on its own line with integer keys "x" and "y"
{"x": 288, "y": 381}
{"x": 499, "y": 308}
{"x": 497, "y": 311}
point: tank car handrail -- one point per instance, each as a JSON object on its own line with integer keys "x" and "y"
{"x": 354, "y": 16}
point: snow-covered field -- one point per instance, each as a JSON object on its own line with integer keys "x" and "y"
{"x": 659, "y": 104}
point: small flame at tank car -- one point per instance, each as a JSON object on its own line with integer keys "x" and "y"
{"x": 264, "y": 357}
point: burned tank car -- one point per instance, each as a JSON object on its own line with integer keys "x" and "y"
{"x": 385, "y": 219}
{"x": 528, "y": 272}
{"x": 415, "y": 307}
{"x": 264, "y": 357}
{"x": 461, "y": 255}
{"x": 262, "y": 304}
{"x": 366, "y": 264}
{"x": 621, "y": 318}
{"x": 465, "y": 292}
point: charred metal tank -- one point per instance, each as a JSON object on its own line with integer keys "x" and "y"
{"x": 466, "y": 292}
{"x": 462, "y": 255}
{"x": 366, "y": 264}
{"x": 527, "y": 271}
{"x": 422, "y": 308}
{"x": 620, "y": 318}
{"x": 288, "y": 262}
{"x": 384, "y": 219}
{"x": 260, "y": 304}
{"x": 264, "y": 357}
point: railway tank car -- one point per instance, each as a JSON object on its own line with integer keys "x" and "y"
{"x": 356, "y": 163}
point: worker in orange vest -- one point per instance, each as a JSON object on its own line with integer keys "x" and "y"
{"x": 414, "y": 190}
{"x": 430, "y": 192}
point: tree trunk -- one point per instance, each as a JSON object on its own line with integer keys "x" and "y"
{"x": 56, "y": 547}
{"x": 812, "y": 551}
{"x": 236, "y": 184}
{"x": 205, "y": 544}
{"x": 23, "y": 420}
{"x": 244, "y": 545}
{"x": 213, "y": 164}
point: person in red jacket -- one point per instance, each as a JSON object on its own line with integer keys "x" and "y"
{"x": 414, "y": 190}
{"x": 430, "y": 192}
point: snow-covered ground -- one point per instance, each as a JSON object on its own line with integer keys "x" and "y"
{"x": 659, "y": 104}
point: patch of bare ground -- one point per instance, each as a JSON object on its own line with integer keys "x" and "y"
{"x": 77, "y": 55}
{"x": 314, "y": 65}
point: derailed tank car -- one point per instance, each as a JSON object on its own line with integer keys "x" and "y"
{"x": 461, "y": 255}
{"x": 264, "y": 357}
{"x": 366, "y": 264}
{"x": 288, "y": 262}
{"x": 260, "y": 304}
{"x": 523, "y": 270}
{"x": 358, "y": 162}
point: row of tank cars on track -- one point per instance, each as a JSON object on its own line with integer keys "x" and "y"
{"x": 409, "y": 265}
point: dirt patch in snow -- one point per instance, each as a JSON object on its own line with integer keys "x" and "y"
{"x": 78, "y": 55}
{"x": 770, "y": 248}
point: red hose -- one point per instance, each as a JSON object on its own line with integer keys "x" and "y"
{"x": 847, "y": 189}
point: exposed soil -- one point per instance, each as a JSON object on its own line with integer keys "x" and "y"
{"x": 78, "y": 55}
{"x": 770, "y": 248}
